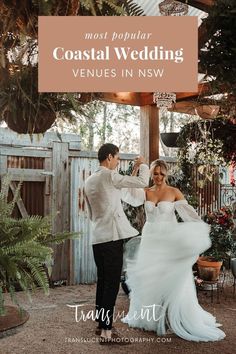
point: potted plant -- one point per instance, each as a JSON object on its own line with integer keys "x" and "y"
{"x": 206, "y": 144}
{"x": 170, "y": 139}
{"x": 206, "y": 111}
{"x": 222, "y": 247}
{"x": 24, "y": 109}
{"x": 25, "y": 253}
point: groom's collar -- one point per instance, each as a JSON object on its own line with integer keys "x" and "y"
{"x": 101, "y": 168}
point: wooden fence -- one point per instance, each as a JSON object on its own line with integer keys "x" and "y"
{"x": 53, "y": 171}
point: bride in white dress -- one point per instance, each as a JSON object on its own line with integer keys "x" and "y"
{"x": 163, "y": 294}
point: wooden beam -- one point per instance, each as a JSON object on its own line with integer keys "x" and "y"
{"x": 146, "y": 98}
{"x": 25, "y": 174}
{"x": 186, "y": 101}
{"x": 10, "y": 138}
{"x": 149, "y": 132}
{"x": 203, "y": 89}
{"x": 129, "y": 98}
{"x": 203, "y": 5}
{"x": 19, "y": 201}
{"x": 202, "y": 36}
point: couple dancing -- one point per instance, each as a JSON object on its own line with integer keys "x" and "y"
{"x": 163, "y": 294}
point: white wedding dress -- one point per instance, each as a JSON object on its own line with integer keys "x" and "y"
{"x": 163, "y": 294}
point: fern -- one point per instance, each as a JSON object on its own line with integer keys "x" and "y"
{"x": 110, "y": 8}
{"x": 132, "y": 9}
{"x": 25, "y": 248}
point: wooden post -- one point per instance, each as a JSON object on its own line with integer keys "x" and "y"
{"x": 60, "y": 209}
{"x": 149, "y": 132}
{"x": 3, "y": 165}
{"x": 48, "y": 185}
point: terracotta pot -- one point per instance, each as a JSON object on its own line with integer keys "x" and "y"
{"x": 12, "y": 318}
{"x": 207, "y": 111}
{"x": 209, "y": 270}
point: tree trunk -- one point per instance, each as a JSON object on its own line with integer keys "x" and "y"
{"x": 104, "y": 125}
{"x": 91, "y": 136}
{"x": 172, "y": 122}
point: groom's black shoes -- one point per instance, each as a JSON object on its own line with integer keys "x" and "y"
{"x": 98, "y": 331}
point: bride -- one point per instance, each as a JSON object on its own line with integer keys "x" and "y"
{"x": 163, "y": 294}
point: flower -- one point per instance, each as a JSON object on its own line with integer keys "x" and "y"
{"x": 222, "y": 226}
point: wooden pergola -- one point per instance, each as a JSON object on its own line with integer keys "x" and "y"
{"x": 149, "y": 113}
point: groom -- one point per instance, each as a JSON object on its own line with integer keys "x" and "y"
{"x": 110, "y": 227}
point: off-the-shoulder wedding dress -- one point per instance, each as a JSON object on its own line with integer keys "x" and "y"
{"x": 163, "y": 294}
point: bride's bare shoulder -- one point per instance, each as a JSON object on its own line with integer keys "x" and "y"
{"x": 177, "y": 193}
{"x": 149, "y": 189}
{"x": 172, "y": 189}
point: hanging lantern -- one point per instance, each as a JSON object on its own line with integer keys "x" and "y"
{"x": 164, "y": 100}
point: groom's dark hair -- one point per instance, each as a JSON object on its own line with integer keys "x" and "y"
{"x": 107, "y": 149}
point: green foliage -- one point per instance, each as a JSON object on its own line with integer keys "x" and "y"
{"x": 129, "y": 170}
{"x": 206, "y": 144}
{"x": 99, "y": 122}
{"x": 222, "y": 226}
{"x": 24, "y": 248}
{"x": 20, "y": 18}
{"x": 22, "y": 107}
{"x": 219, "y": 56}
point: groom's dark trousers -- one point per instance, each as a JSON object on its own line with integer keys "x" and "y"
{"x": 109, "y": 260}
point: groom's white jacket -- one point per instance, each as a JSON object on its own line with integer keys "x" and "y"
{"x": 103, "y": 197}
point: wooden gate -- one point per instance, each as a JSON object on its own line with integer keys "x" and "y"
{"x": 42, "y": 163}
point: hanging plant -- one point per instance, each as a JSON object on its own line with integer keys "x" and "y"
{"x": 21, "y": 106}
{"x": 208, "y": 145}
{"x": 218, "y": 55}
{"x": 24, "y": 109}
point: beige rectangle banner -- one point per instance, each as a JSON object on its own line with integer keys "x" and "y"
{"x": 110, "y": 54}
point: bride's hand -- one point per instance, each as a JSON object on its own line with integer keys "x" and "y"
{"x": 137, "y": 162}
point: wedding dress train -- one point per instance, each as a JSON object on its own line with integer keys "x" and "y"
{"x": 163, "y": 293}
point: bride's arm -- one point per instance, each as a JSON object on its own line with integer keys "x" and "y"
{"x": 185, "y": 211}
{"x": 134, "y": 196}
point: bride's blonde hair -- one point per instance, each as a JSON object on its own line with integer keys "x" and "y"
{"x": 159, "y": 163}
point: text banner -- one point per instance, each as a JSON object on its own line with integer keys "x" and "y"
{"x": 110, "y": 54}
